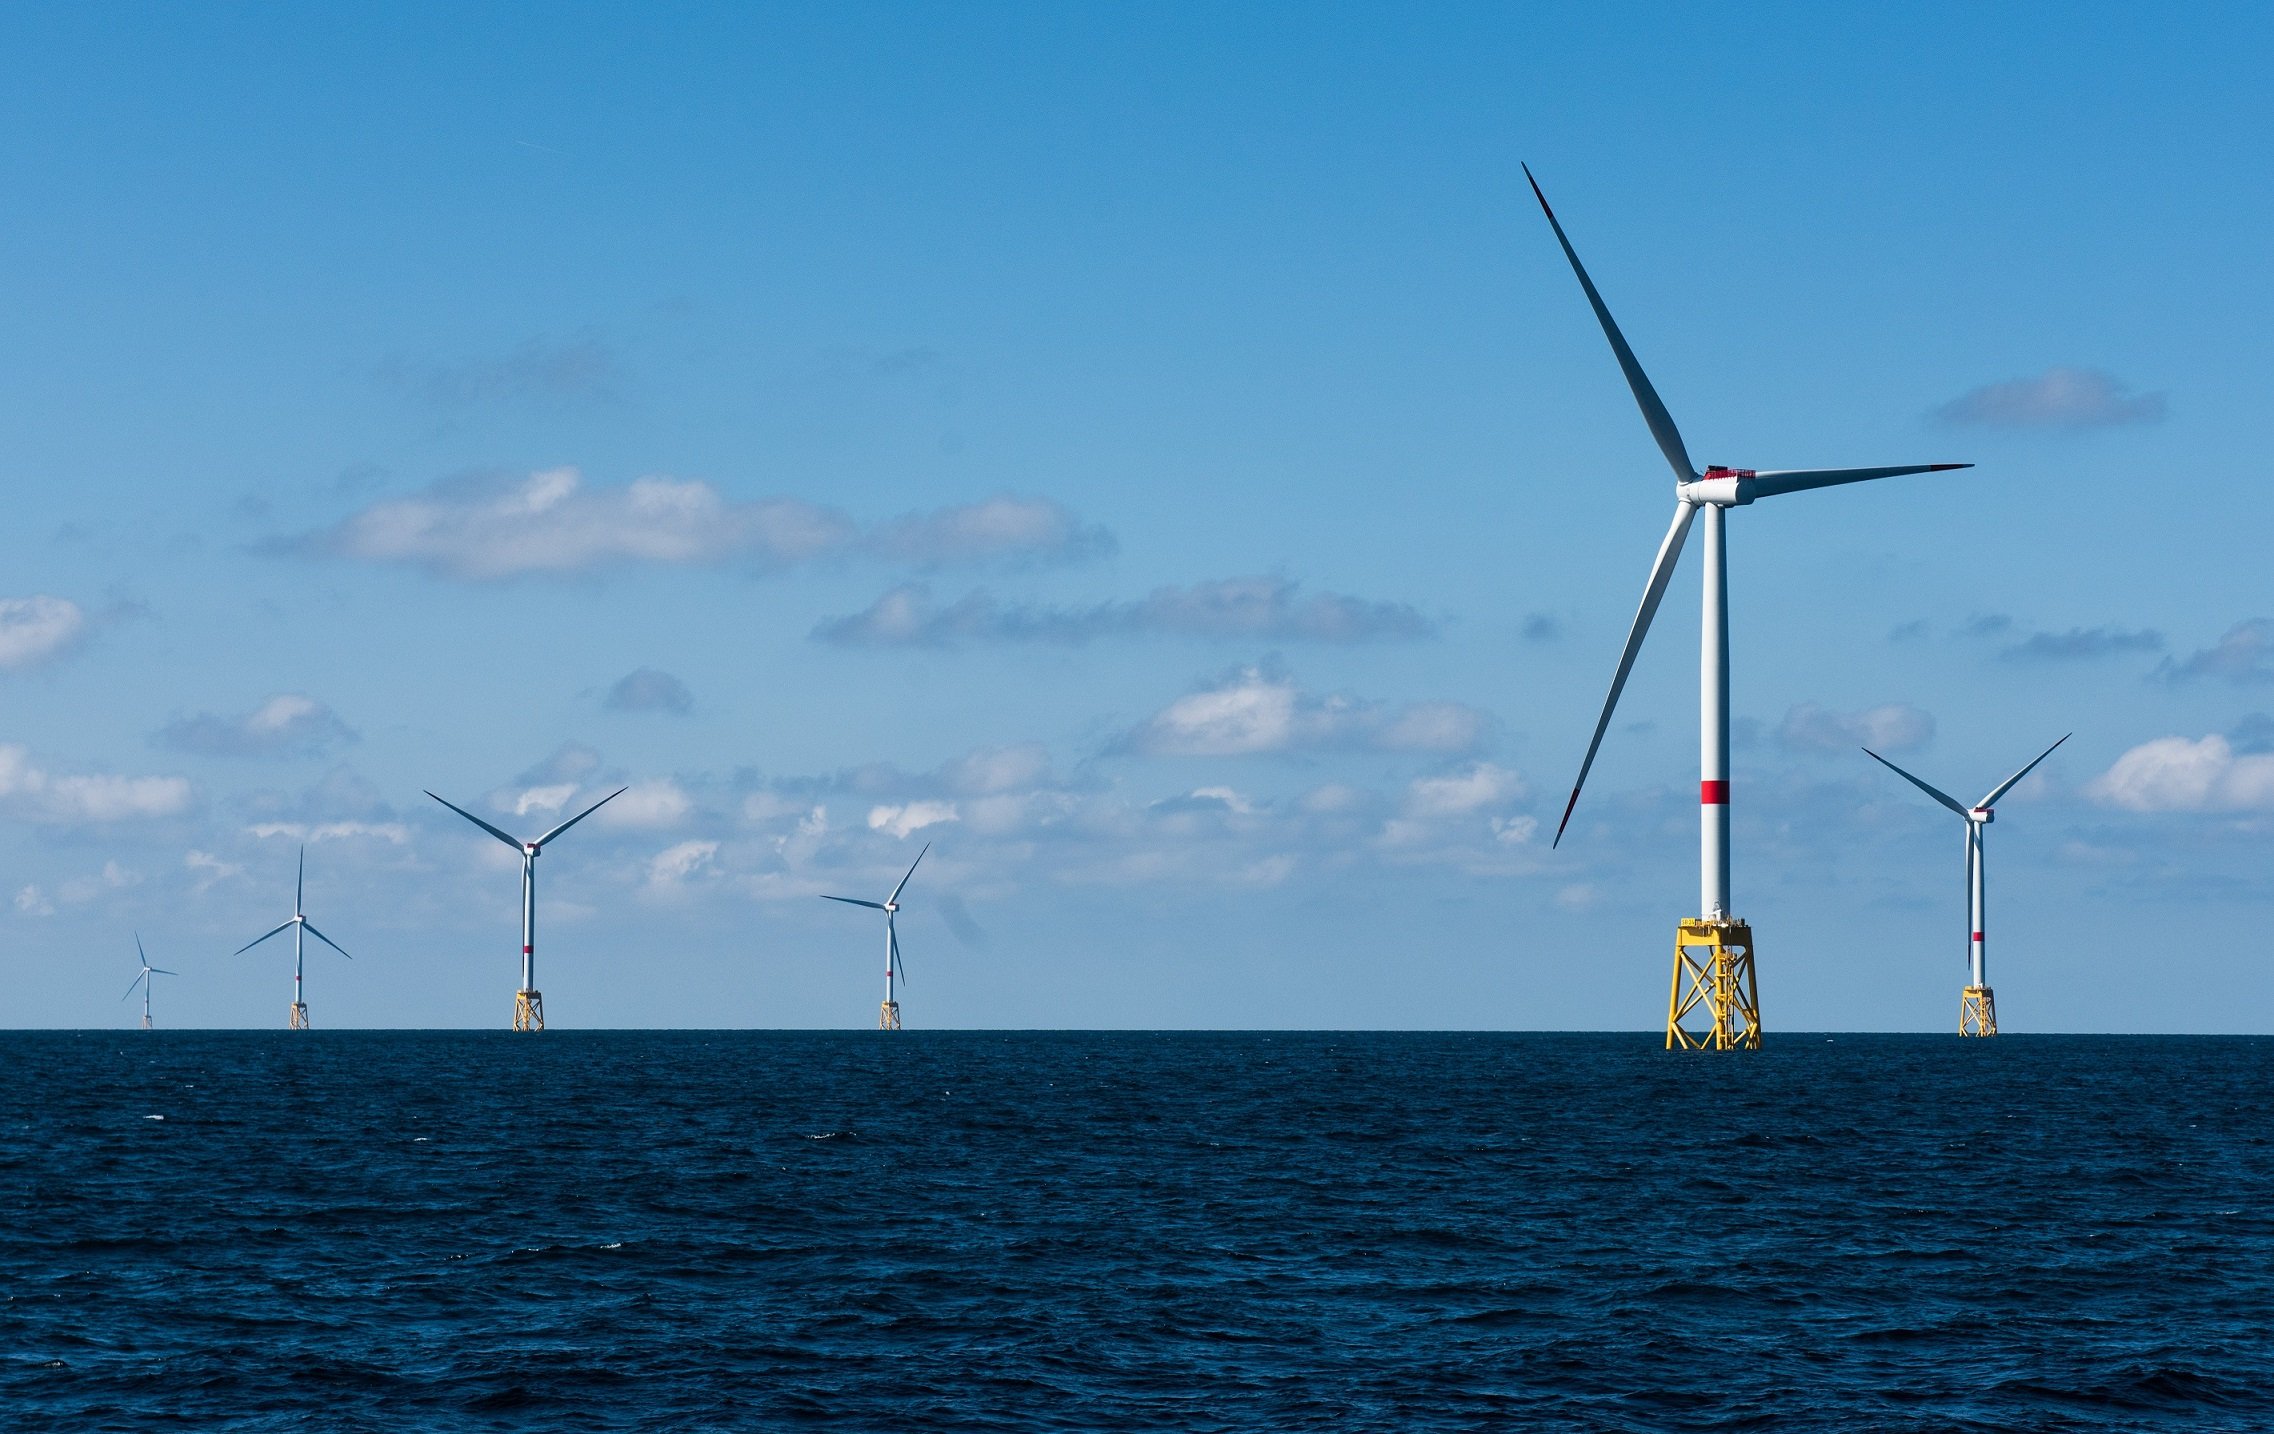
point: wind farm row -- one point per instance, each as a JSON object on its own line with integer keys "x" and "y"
{"x": 1713, "y": 1001}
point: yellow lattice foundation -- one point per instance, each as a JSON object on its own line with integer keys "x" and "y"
{"x": 299, "y": 1021}
{"x": 888, "y": 1016}
{"x": 1713, "y": 972}
{"x": 1977, "y": 1012}
{"x": 528, "y": 1011}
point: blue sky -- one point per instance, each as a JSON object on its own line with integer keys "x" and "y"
{"x": 1157, "y": 455}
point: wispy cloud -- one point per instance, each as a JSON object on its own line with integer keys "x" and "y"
{"x": 1891, "y": 727}
{"x": 34, "y": 629}
{"x": 2056, "y": 398}
{"x": 2080, "y": 644}
{"x": 1257, "y": 711}
{"x": 550, "y": 523}
{"x": 287, "y": 725}
{"x": 1267, "y": 609}
{"x": 649, "y": 690}
{"x": 580, "y": 368}
{"x": 2244, "y": 656}
{"x": 2179, "y": 774}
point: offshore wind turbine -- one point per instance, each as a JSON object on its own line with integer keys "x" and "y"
{"x": 1719, "y": 976}
{"x": 300, "y": 927}
{"x": 888, "y": 1016}
{"x": 143, "y": 980}
{"x": 528, "y": 1003}
{"x": 1977, "y": 1008}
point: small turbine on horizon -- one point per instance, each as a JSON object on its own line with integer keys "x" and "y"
{"x": 528, "y": 1004}
{"x": 1977, "y": 1008}
{"x": 1720, "y": 980}
{"x": 143, "y": 980}
{"x": 300, "y": 927}
{"x": 888, "y": 1017}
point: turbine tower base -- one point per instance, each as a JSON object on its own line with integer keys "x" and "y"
{"x": 1977, "y": 1012}
{"x": 1713, "y": 972}
{"x": 299, "y": 1020}
{"x": 528, "y": 1011}
{"x": 888, "y": 1016}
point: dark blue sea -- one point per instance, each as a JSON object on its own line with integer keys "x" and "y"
{"x": 1109, "y": 1231}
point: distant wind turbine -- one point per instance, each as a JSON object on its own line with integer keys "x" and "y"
{"x": 143, "y": 980}
{"x": 528, "y": 1004}
{"x": 1977, "y": 1007}
{"x": 1721, "y": 980}
{"x": 300, "y": 927}
{"x": 888, "y": 1018}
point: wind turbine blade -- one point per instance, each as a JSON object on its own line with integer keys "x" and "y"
{"x": 2007, "y": 785}
{"x": 287, "y": 926}
{"x": 477, "y": 821}
{"x": 1795, "y": 480}
{"x": 1661, "y": 573}
{"x": 328, "y": 941}
{"x": 162, "y": 971}
{"x": 856, "y": 901}
{"x": 1653, "y": 411}
{"x": 580, "y": 816}
{"x": 897, "y": 965}
{"x": 300, "y": 883}
{"x": 911, "y": 872}
{"x": 1943, "y": 797}
{"x": 138, "y": 979}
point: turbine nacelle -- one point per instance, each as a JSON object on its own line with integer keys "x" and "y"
{"x": 1719, "y": 486}
{"x": 1981, "y": 816}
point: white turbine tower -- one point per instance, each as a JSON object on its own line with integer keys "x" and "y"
{"x": 143, "y": 980}
{"x": 528, "y": 1004}
{"x": 1721, "y": 978}
{"x": 888, "y": 1017}
{"x": 1977, "y": 1008}
{"x": 300, "y": 927}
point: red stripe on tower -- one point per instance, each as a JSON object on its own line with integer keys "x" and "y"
{"x": 1977, "y": 938}
{"x": 527, "y": 949}
{"x": 1713, "y": 794}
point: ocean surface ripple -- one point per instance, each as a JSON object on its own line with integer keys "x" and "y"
{"x": 1132, "y": 1231}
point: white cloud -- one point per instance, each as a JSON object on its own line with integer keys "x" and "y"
{"x": 33, "y": 902}
{"x": 209, "y": 869}
{"x": 1267, "y": 609}
{"x": 286, "y": 725}
{"x": 2056, "y": 398}
{"x": 33, "y": 629}
{"x": 1481, "y": 785}
{"x": 546, "y": 799}
{"x": 1435, "y": 804}
{"x": 1255, "y": 711}
{"x": 2175, "y": 774}
{"x": 897, "y": 822}
{"x": 660, "y": 803}
{"x": 82, "y": 889}
{"x": 674, "y": 865}
{"x": 392, "y": 832}
{"x": 998, "y": 528}
{"x": 1893, "y": 727}
{"x": 550, "y": 523}
{"x": 42, "y": 796}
